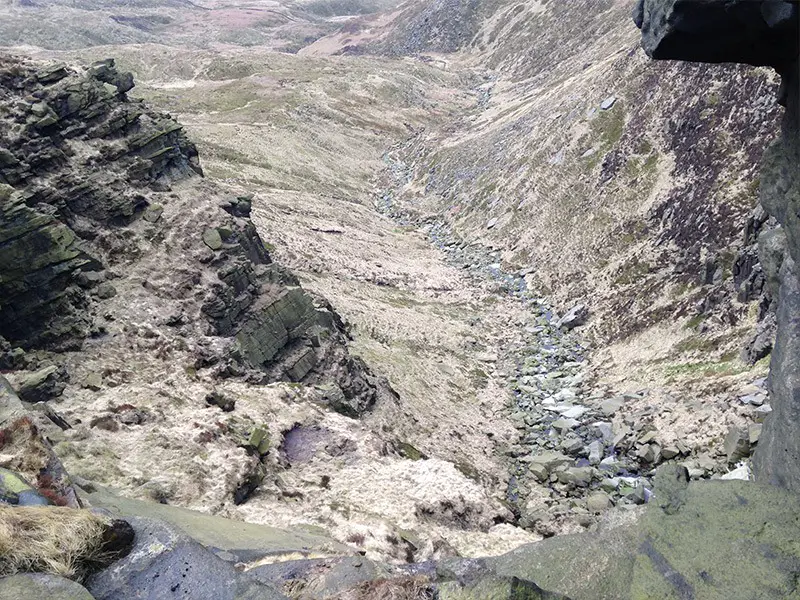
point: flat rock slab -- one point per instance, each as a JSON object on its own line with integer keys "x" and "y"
{"x": 239, "y": 541}
{"x": 321, "y": 578}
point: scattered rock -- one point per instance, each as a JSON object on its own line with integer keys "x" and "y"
{"x": 595, "y": 452}
{"x": 212, "y": 238}
{"x": 107, "y": 422}
{"x": 580, "y": 476}
{"x": 762, "y": 411}
{"x": 754, "y": 432}
{"x": 670, "y": 452}
{"x": 223, "y": 401}
{"x": 741, "y": 472}
{"x": 43, "y": 384}
{"x": 562, "y": 425}
{"x": 93, "y": 381}
{"x": 608, "y": 103}
{"x": 104, "y": 291}
{"x": 611, "y": 406}
{"x": 736, "y": 444}
{"x": 153, "y": 213}
{"x": 36, "y": 586}
{"x": 259, "y": 440}
{"x": 576, "y": 316}
{"x": 15, "y": 490}
{"x": 598, "y": 502}
{"x": 574, "y": 412}
{"x": 572, "y": 444}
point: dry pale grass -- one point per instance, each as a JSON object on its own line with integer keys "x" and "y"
{"x": 53, "y": 539}
{"x": 402, "y": 588}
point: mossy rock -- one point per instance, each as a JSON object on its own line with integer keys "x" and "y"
{"x": 212, "y": 238}
{"x": 246, "y": 541}
{"x": 726, "y": 539}
{"x": 496, "y": 588}
{"x": 36, "y": 586}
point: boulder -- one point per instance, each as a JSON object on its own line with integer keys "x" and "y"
{"x": 737, "y": 445}
{"x": 714, "y": 545}
{"x": 166, "y": 564}
{"x": 575, "y": 316}
{"x": 612, "y": 405}
{"x": 15, "y": 490}
{"x": 713, "y": 31}
{"x": 598, "y": 502}
{"x": 322, "y": 577}
{"x": 42, "y": 385}
{"x": 493, "y": 587}
{"x": 36, "y": 586}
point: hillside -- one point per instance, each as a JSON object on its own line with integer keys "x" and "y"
{"x": 428, "y": 279}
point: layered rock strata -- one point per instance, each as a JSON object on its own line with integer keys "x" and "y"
{"x": 88, "y": 213}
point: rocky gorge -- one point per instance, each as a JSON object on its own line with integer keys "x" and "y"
{"x": 363, "y": 403}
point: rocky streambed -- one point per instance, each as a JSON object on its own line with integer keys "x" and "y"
{"x": 583, "y": 447}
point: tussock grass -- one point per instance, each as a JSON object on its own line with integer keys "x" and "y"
{"x": 402, "y": 588}
{"x": 59, "y": 540}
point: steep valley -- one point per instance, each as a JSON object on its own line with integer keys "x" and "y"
{"x": 530, "y": 252}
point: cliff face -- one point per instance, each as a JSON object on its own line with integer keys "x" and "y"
{"x": 180, "y": 363}
{"x": 123, "y": 272}
{"x": 760, "y": 33}
{"x": 75, "y": 156}
{"x": 85, "y": 175}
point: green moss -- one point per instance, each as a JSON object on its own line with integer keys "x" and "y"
{"x": 693, "y": 343}
{"x": 644, "y": 147}
{"x": 705, "y": 369}
{"x": 410, "y": 452}
{"x": 478, "y": 378}
{"x": 468, "y": 471}
{"x": 680, "y": 289}
{"x": 609, "y": 126}
{"x": 694, "y": 322}
{"x": 631, "y": 273}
